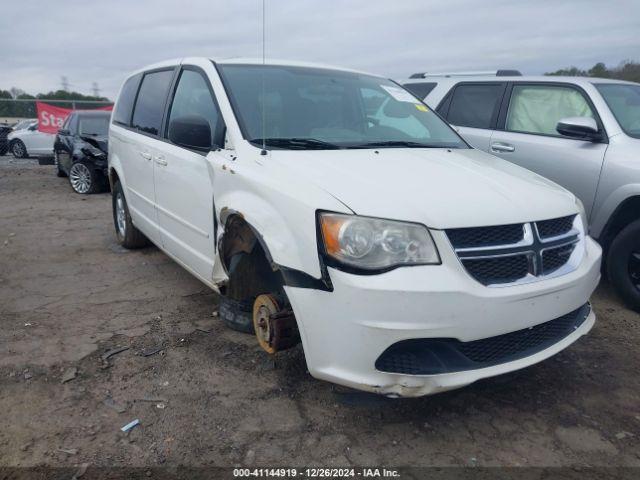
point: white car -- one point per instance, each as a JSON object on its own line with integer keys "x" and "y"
{"x": 24, "y": 124}
{"x": 405, "y": 261}
{"x": 30, "y": 142}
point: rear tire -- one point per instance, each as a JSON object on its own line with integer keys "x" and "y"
{"x": 623, "y": 264}
{"x": 126, "y": 233}
{"x": 18, "y": 149}
{"x": 59, "y": 172}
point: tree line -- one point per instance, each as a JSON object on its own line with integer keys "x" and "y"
{"x": 28, "y": 109}
{"x": 627, "y": 70}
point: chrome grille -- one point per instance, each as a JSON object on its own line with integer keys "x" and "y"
{"x": 519, "y": 253}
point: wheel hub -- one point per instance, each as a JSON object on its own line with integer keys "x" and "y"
{"x": 18, "y": 151}
{"x": 80, "y": 178}
{"x": 120, "y": 215}
{"x": 276, "y": 328}
{"x": 263, "y": 308}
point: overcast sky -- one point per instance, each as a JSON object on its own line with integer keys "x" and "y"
{"x": 101, "y": 41}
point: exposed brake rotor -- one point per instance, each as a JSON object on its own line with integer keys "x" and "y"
{"x": 276, "y": 329}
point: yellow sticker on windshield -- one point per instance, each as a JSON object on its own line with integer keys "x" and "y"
{"x": 421, "y": 107}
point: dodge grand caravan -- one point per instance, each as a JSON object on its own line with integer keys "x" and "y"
{"x": 351, "y": 218}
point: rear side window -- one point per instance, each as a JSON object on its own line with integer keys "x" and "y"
{"x": 539, "y": 108}
{"x": 475, "y": 105}
{"x": 122, "y": 114}
{"x": 420, "y": 90}
{"x": 147, "y": 113}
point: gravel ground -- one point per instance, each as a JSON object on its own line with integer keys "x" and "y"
{"x": 210, "y": 396}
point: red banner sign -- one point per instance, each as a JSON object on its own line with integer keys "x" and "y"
{"x": 50, "y": 118}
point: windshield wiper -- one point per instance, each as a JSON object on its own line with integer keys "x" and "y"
{"x": 295, "y": 143}
{"x": 396, "y": 143}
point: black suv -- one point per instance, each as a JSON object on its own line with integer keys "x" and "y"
{"x": 80, "y": 150}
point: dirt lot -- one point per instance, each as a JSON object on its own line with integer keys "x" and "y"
{"x": 68, "y": 294}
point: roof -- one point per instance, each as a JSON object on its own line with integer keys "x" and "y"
{"x": 524, "y": 78}
{"x": 249, "y": 61}
{"x": 282, "y": 62}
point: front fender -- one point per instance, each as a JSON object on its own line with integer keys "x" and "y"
{"x": 289, "y": 237}
{"x": 603, "y": 212}
{"x": 278, "y": 206}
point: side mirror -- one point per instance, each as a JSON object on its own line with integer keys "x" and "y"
{"x": 64, "y": 131}
{"x": 191, "y": 131}
{"x": 584, "y": 128}
{"x": 33, "y": 127}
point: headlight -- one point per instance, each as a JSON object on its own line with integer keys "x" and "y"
{"x": 92, "y": 151}
{"x": 375, "y": 244}
{"x": 583, "y": 215}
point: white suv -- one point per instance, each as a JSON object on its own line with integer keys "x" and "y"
{"x": 583, "y": 133}
{"x": 349, "y": 216}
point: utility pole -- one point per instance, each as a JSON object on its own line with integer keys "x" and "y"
{"x": 64, "y": 81}
{"x": 96, "y": 89}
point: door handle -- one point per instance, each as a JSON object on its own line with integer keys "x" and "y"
{"x": 145, "y": 155}
{"x": 160, "y": 160}
{"x": 502, "y": 147}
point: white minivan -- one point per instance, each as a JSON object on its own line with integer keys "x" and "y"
{"x": 332, "y": 207}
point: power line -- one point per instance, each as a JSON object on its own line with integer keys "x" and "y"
{"x": 64, "y": 82}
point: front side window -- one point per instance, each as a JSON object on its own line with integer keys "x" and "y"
{"x": 94, "y": 125}
{"x": 539, "y": 108}
{"x": 474, "y": 105}
{"x": 624, "y": 102}
{"x": 301, "y": 107}
{"x": 147, "y": 113}
{"x": 193, "y": 97}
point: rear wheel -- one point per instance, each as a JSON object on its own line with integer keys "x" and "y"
{"x": 59, "y": 171}
{"x": 18, "y": 149}
{"x": 623, "y": 264}
{"x": 127, "y": 234}
{"x": 83, "y": 178}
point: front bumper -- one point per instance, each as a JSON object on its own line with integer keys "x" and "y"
{"x": 345, "y": 331}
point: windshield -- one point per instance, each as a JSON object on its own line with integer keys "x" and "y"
{"x": 316, "y": 108}
{"x": 23, "y": 124}
{"x": 624, "y": 102}
{"x": 94, "y": 125}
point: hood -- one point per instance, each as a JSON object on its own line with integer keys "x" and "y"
{"x": 100, "y": 141}
{"x": 437, "y": 187}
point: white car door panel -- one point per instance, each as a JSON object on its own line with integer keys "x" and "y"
{"x": 142, "y": 146}
{"x": 184, "y": 179}
{"x": 134, "y": 149}
{"x": 185, "y": 207}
